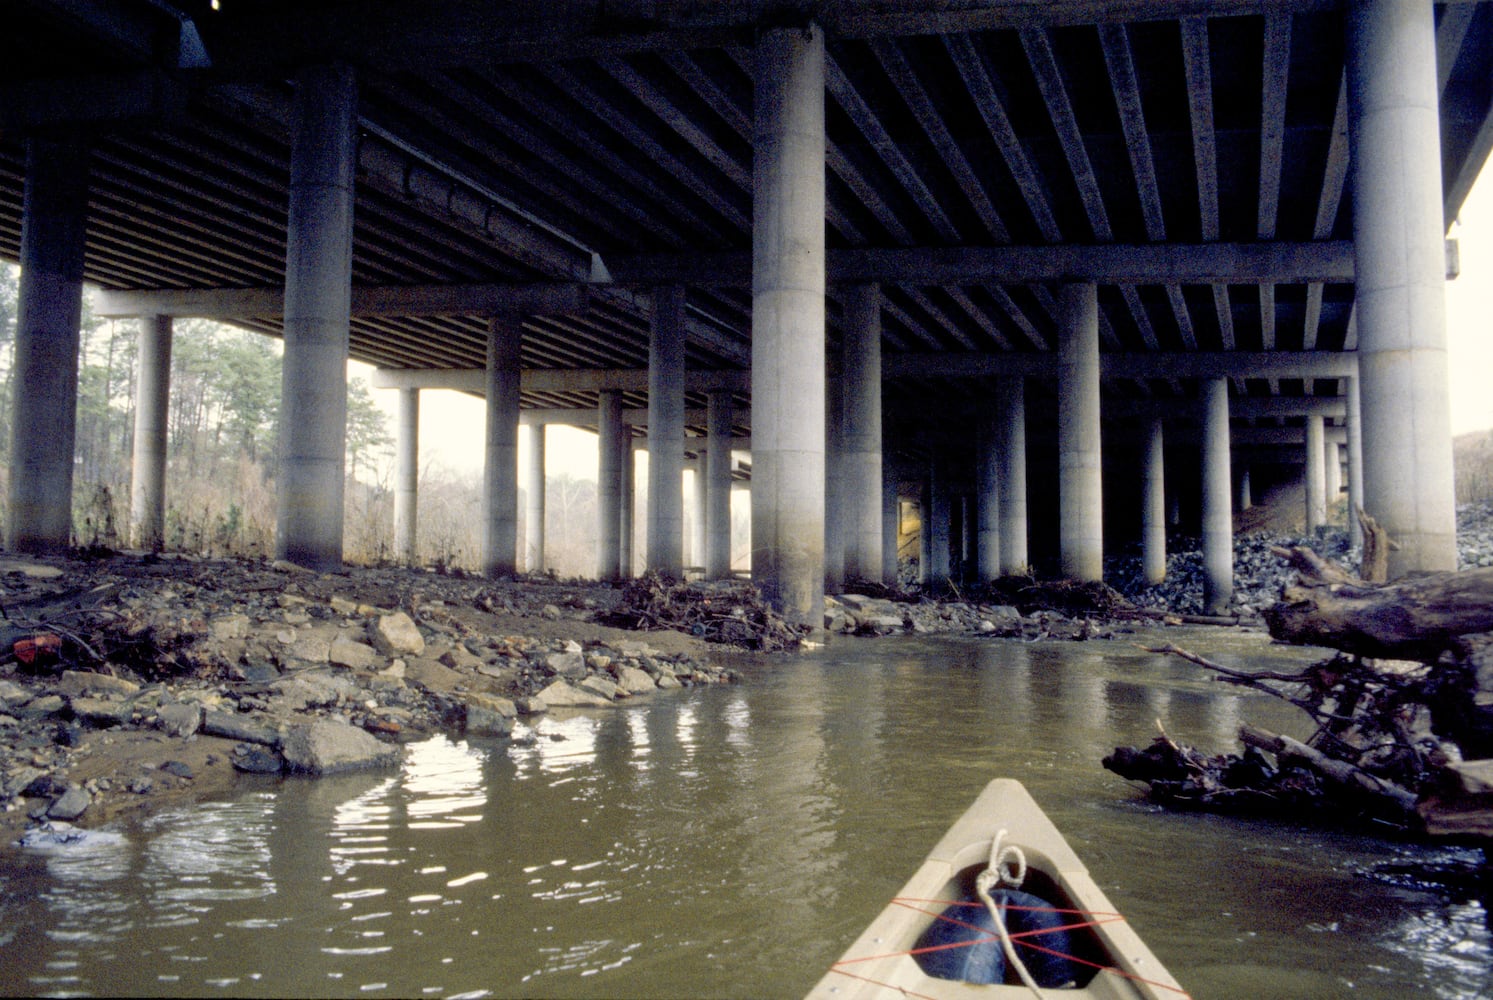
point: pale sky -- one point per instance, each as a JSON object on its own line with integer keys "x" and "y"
{"x": 451, "y": 424}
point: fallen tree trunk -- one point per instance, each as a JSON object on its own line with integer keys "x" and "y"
{"x": 1398, "y": 802}
{"x": 1416, "y": 618}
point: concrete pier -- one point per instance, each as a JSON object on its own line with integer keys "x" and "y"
{"x": 718, "y": 487}
{"x": 860, "y": 435}
{"x": 835, "y": 494}
{"x": 534, "y": 482}
{"x": 407, "y": 478}
{"x": 1246, "y": 493}
{"x": 1355, "y": 461}
{"x": 1013, "y": 476}
{"x": 788, "y": 268}
{"x": 988, "y": 495}
{"x": 890, "y": 515}
{"x": 666, "y": 433}
{"x": 938, "y": 518}
{"x": 152, "y": 416}
{"x": 1153, "y": 507}
{"x": 1400, "y": 277}
{"x": 43, "y": 417}
{"x": 1315, "y": 477}
{"x": 318, "y": 290}
{"x": 1218, "y": 522}
{"x": 500, "y": 457}
{"x": 627, "y": 534}
{"x": 1080, "y": 483}
{"x": 1332, "y": 476}
{"x": 611, "y": 449}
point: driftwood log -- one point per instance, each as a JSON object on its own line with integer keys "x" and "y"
{"x": 1415, "y": 618}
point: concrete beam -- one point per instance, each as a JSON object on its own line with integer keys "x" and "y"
{"x": 1250, "y": 408}
{"x": 368, "y": 301}
{"x": 557, "y": 379}
{"x": 1108, "y": 264}
{"x": 1130, "y": 364}
{"x": 122, "y": 99}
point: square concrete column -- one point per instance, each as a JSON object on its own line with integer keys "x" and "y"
{"x": 407, "y": 477}
{"x": 1013, "y": 476}
{"x": 666, "y": 433}
{"x": 43, "y": 420}
{"x": 718, "y": 487}
{"x": 937, "y": 522}
{"x": 1400, "y": 276}
{"x": 1153, "y": 507}
{"x": 318, "y": 294}
{"x": 628, "y": 549}
{"x": 610, "y": 452}
{"x": 534, "y": 483}
{"x": 1080, "y": 484}
{"x": 695, "y": 552}
{"x": 1315, "y": 479}
{"x": 1332, "y": 475}
{"x": 860, "y": 435}
{"x": 988, "y": 440}
{"x": 788, "y": 264}
{"x": 152, "y": 416}
{"x": 1218, "y": 521}
{"x": 500, "y": 457}
{"x": 1246, "y": 494}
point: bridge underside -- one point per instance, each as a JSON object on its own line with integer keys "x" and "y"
{"x": 1191, "y": 164}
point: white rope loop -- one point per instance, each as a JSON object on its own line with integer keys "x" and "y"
{"x": 1007, "y": 867}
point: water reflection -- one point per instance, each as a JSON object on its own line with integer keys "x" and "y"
{"x": 725, "y": 842}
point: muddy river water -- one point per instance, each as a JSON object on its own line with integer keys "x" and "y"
{"x": 731, "y": 842}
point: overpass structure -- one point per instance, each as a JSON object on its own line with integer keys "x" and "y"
{"x": 1031, "y": 252}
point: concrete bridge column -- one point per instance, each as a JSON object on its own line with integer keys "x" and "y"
{"x": 860, "y": 435}
{"x": 1080, "y": 486}
{"x": 407, "y": 477}
{"x": 1246, "y": 494}
{"x": 318, "y": 294}
{"x": 718, "y": 487}
{"x": 500, "y": 458}
{"x": 534, "y": 482}
{"x": 890, "y": 516}
{"x": 1400, "y": 276}
{"x": 1316, "y": 480}
{"x": 1218, "y": 523}
{"x": 788, "y": 322}
{"x": 695, "y": 554}
{"x": 152, "y": 414}
{"x": 988, "y": 494}
{"x": 43, "y": 425}
{"x": 609, "y": 454}
{"x": 1153, "y": 507}
{"x": 666, "y": 433}
{"x": 627, "y": 533}
{"x": 1332, "y": 475}
{"x": 1013, "y": 475}
{"x": 1355, "y": 461}
{"x": 938, "y": 522}
{"x": 834, "y": 487}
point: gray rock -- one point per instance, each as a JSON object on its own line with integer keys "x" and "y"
{"x": 489, "y": 716}
{"x": 397, "y": 635}
{"x": 566, "y": 664}
{"x": 234, "y": 727}
{"x": 74, "y": 683}
{"x": 179, "y": 719}
{"x": 635, "y": 681}
{"x": 328, "y": 747}
{"x": 102, "y": 712}
{"x": 562, "y": 694}
{"x": 600, "y": 685}
{"x": 73, "y": 803}
{"x": 346, "y": 652}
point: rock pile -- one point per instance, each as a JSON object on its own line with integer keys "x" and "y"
{"x": 1475, "y": 534}
{"x": 294, "y": 672}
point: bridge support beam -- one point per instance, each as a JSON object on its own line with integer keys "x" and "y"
{"x": 1316, "y": 480}
{"x": 43, "y": 424}
{"x": 152, "y": 415}
{"x": 1218, "y": 522}
{"x": 1013, "y": 475}
{"x": 718, "y": 487}
{"x": 611, "y": 449}
{"x": 835, "y": 493}
{"x": 1153, "y": 507}
{"x": 534, "y": 508}
{"x": 318, "y": 291}
{"x": 1080, "y": 486}
{"x": 1398, "y": 231}
{"x": 860, "y": 434}
{"x": 500, "y": 457}
{"x": 788, "y": 280}
{"x": 988, "y": 495}
{"x": 407, "y": 478}
{"x": 666, "y": 433}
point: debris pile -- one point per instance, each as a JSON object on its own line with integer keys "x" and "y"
{"x": 727, "y": 611}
